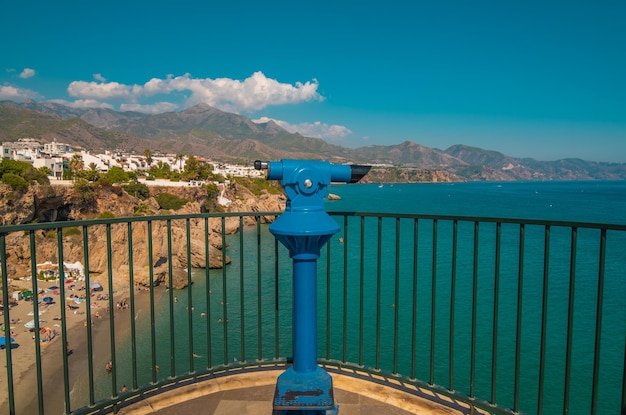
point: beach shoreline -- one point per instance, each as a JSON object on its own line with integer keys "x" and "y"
{"x": 24, "y": 366}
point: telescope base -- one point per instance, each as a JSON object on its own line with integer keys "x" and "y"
{"x": 310, "y": 392}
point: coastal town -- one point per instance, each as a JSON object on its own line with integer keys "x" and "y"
{"x": 56, "y": 157}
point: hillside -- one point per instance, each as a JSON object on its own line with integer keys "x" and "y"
{"x": 206, "y": 131}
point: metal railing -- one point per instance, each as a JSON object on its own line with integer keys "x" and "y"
{"x": 506, "y": 316}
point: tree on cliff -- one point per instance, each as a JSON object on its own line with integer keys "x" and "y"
{"x": 192, "y": 169}
{"x": 19, "y": 175}
{"x": 116, "y": 175}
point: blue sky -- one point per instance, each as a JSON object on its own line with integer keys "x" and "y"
{"x": 540, "y": 79}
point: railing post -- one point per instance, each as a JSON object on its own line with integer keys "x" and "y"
{"x": 303, "y": 229}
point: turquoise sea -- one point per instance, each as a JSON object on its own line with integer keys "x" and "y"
{"x": 388, "y": 288}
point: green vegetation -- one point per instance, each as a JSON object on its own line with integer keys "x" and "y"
{"x": 210, "y": 204}
{"x": 19, "y": 175}
{"x": 106, "y": 215}
{"x": 160, "y": 171}
{"x": 142, "y": 209}
{"x": 84, "y": 198}
{"x": 137, "y": 189}
{"x": 16, "y": 182}
{"x": 257, "y": 184}
{"x": 170, "y": 202}
{"x": 116, "y": 175}
{"x": 72, "y": 231}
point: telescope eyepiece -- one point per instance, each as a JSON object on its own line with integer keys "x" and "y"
{"x": 261, "y": 165}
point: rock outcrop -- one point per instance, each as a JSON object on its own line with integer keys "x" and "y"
{"x": 150, "y": 247}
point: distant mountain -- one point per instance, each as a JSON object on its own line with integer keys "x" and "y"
{"x": 206, "y": 131}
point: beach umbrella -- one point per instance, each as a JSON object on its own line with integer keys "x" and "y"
{"x": 48, "y": 300}
{"x": 3, "y": 341}
{"x": 54, "y": 287}
{"x": 96, "y": 286}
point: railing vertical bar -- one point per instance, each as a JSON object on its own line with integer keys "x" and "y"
{"x": 170, "y": 273}
{"x": 496, "y": 303}
{"x": 131, "y": 280}
{"x": 66, "y": 369}
{"x": 544, "y": 318}
{"x": 474, "y": 304}
{"x": 596, "y": 355}
{"x": 624, "y": 380}
{"x": 345, "y": 288}
{"x": 33, "y": 275}
{"x": 455, "y": 240}
{"x": 242, "y": 309}
{"x": 88, "y": 317}
{"x": 7, "y": 324}
{"x": 224, "y": 287}
{"x": 328, "y": 303}
{"x": 378, "y": 290}
{"x": 207, "y": 276}
{"x": 114, "y": 390}
{"x": 361, "y": 288}
{"x": 570, "y": 319}
{"x": 276, "y": 306}
{"x": 155, "y": 367}
{"x": 433, "y": 305}
{"x": 518, "y": 333}
{"x": 259, "y": 311}
{"x": 190, "y": 306}
{"x": 414, "y": 310}
{"x": 396, "y": 318}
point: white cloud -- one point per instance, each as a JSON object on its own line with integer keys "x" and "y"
{"x": 252, "y": 94}
{"x": 98, "y": 90}
{"x": 17, "y": 94}
{"x": 99, "y": 77}
{"x": 157, "y": 108}
{"x": 316, "y": 129}
{"x": 27, "y": 73}
{"x": 83, "y": 103}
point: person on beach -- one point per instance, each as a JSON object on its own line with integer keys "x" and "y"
{"x": 124, "y": 389}
{"x": 108, "y": 367}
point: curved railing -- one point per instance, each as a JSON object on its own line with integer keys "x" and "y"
{"x": 508, "y": 316}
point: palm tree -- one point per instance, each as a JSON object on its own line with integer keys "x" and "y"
{"x": 179, "y": 158}
{"x": 92, "y": 174}
{"x": 76, "y": 164}
{"x": 148, "y": 155}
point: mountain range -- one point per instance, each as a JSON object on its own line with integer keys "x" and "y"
{"x": 205, "y": 131}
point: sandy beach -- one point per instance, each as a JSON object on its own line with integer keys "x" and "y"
{"x": 23, "y": 350}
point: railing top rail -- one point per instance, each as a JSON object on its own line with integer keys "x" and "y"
{"x": 126, "y": 219}
{"x": 541, "y": 222}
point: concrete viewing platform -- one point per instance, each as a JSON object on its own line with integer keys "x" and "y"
{"x": 253, "y": 393}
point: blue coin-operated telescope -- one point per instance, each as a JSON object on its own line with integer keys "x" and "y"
{"x": 303, "y": 228}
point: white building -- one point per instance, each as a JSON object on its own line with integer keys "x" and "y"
{"x": 5, "y": 152}
{"x": 96, "y": 160}
{"x": 57, "y": 149}
{"x": 55, "y": 164}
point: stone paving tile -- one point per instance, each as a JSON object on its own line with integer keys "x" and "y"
{"x": 252, "y": 394}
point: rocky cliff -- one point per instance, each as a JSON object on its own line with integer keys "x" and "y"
{"x": 67, "y": 203}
